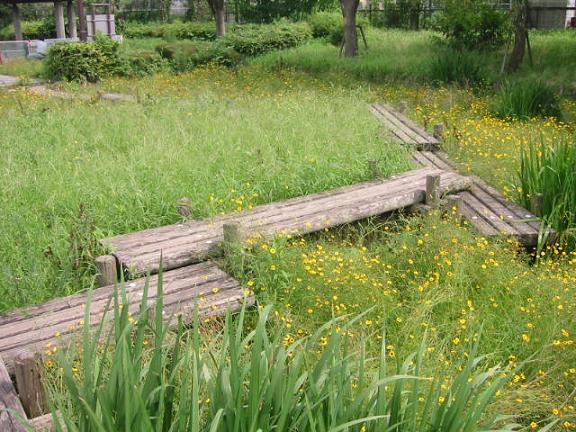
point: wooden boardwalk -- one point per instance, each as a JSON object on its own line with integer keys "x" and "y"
{"x": 186, "y": 243}
{"x": 402, "y": 129}
{"x": 43, "y": 327}
{"x": 487, "y": 210}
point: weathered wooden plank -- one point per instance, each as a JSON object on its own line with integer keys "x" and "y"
{"x": 424, "y": 136}
{"x": 476, "y": 219}
{"x": 402, "y": 133}
{"x": 183, "y": 249}
{"x": 487, "y": 214}
{"x": 211, "y": 289}
{"x": 154, "y": 235}
{"x": 208, "y": 230}
{"x": 437, "y": 162}
{"x": 10, "y": 405}
{"x": 394, "y": 117}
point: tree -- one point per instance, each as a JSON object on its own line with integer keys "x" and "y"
{"x": 349, "y": 9}
{"x": 217, "y": 7}
{"x": 520, "y": 24}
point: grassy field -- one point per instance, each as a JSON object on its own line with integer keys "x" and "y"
{"x": 288, "y": 124}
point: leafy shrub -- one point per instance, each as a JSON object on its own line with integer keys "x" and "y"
{"x": 198, "y": 30}
{"x": 85, "y": 61}
{"x": 330, "y": 25}
{"x": 184, "y": 56}
{"x": 399, "y": 14}
{"x": 524, "y": 99}
{"x": 551, "y": 171}
{"x": 44, "y": 29}
{"x": 252, "y": 40}
{"x": 472, "y": 24}
{"x": 459, "y": 67}
{"x": 144, "y": 63}
{"x": 237, "y": 380}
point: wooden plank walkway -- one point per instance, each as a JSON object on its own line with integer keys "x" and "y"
{"x": 487, "y": 210}
{"x": 42, "y": 327}
{"x": 185, "y": 243}
{"x": 403, "y": 129}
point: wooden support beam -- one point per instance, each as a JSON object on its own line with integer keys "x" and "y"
{"x": 10, "y": 405}
{"x": 374, "y": 169}
{"x": 432, "y": 190}
{"x": 59, "y": 18}
{"x": 184, "y": 207}
{"x": 537, "y": 204}
{"x": 29, "y": 373}
{"x": 439, "y": 131}
{"x": 233, "y": 235}
{"x": 107, "y": 270}
{"x": 82, "y": 20}
{"x": 72, "y": 30}
{"x": 17, "y": 21}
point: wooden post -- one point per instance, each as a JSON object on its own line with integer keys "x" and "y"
{"x": 107, "y": 272}
{"x": 454, "y": 204}
{"x": 537, "y": 204}
{"x": 184, "y": 207}
{"x": 373, "y": 169}
{"x": 72, "y": 31}
{"x": 9, "y": 403}
{"x": 82, "y": 20}
{"x": 233, "y": 236}
{"x": 433, "y": 190}
{"x": 45, "y": 423}
{"x": 403, "y": 107}
{"x": 59, "y": 17}
{"x": 28, "y": 370}
{"x": 16, "y": 20}
{"x": 439, "y": 131}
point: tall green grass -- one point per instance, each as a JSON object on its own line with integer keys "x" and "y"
{"x": 551, "y": 171}
{"x": 239, "y": 380}
{"x": 527, "y": 98}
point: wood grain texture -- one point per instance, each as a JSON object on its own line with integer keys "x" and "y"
{"x": 43, "y": 327}
{"x": 187, "y": 243}
{"x": 9, "y": 403}
{"x": 488, "y": 210}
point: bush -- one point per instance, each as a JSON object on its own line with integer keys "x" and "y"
{"x": 459, "y": 67}
{"x": 253, "y": 40}
{"x": 85, "y": 61}
{"x": 44, "y": 29}
{"x": 525, "y": 99}
{"x": 399, "y": 14}
{"x": 247, "y": 378}
{"x": 330, "y": 25}
{"x": 144, "y": 63}
{"x": 472, "y": 24}
{"x": 185, "y": 56}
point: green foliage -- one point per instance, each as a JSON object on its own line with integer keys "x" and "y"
{"x": 185, "y": 56}
{"x": 472, "y": 24}
{"x": 42, "y": 29}
{"x": 550, "y": 170}
{"x": 175, "y": 30}
{"x": 144, "y": 62}
{"x": 239, "y": 380}
{"x": 460, "y": 67}
{"x": 267, "y": 11}
{"x": 330, "y": 25}
{"x": 399, "y": 14}
{"x": 85, "y": 61}
{"x": 525, "y": 99}
{"x": 253, "y": 40}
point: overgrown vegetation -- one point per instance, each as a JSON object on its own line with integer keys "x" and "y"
{"x": 524, "y": 99}
{"x": 550, "y": 169}
{"x": 238, "y": 380}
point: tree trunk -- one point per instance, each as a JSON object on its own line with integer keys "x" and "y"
{"x": 217, "y": 7}
{"x": 520, "y": 32}
{"x": 349, "y": 9}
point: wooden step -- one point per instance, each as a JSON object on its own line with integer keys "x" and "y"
{"x": 487, "y": 210}
{"x": 402, "y": 129}
{"x": 42, "y": 327}
{"x": 186, "y": 243}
